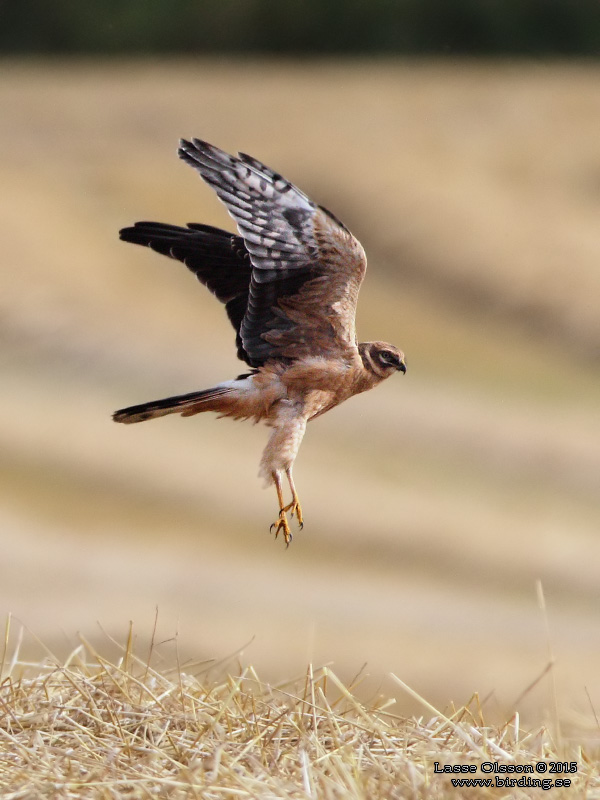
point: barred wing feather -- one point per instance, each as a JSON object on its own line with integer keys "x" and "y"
{"x": 306, "y": 266}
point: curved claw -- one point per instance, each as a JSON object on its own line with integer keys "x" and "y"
{"x": 282, "y": 525}
{"x": 295, "y": 508}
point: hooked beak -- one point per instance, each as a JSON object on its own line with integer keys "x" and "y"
{"x": 401, "y": 367}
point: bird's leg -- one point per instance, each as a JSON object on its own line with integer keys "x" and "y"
{"x": 294, "y": 507}
{"x": 282, "y": 523}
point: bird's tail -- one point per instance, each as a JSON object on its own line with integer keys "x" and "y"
{"x": 214, "y": 399}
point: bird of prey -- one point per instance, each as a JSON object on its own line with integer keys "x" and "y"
{"x": 290, "y": 285}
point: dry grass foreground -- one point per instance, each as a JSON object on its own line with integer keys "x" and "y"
{"x": 88, "y": 727}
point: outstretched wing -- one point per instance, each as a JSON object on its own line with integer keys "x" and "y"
{"x": 306, "y": 266}
{"x": 218, "y": 258}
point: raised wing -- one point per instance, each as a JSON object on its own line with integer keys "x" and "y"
{"x": 306, "y": 266}
{"x": 218, "y": 258}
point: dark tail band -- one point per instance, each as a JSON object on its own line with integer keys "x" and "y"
{"x": 170, "y": 405}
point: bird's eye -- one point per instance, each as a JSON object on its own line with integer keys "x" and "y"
{"x": 387, "y": 356}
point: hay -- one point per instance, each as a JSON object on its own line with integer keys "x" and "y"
{"x": 91, "y": 728}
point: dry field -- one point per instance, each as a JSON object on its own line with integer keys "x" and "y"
{"x": 434, "y": 505}
{"x": 102, "y": 730}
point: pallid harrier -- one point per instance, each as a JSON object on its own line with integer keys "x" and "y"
{"x": 290, "y": 285}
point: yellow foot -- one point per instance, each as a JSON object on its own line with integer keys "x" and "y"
{"x": 295, "y": 508}
{"x": 282, "y": 525}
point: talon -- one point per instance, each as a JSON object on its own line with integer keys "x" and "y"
{"x": 282, "y": 525}
{"x": 294, "y": 508}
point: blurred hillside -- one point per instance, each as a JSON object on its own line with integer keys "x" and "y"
{"x": 432, "y": 505}
{"x": 441, "y": 27}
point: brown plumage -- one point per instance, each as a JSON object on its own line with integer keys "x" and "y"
{"x": 290, "y": 285}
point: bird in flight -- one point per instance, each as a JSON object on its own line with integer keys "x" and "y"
{"x": 290, "y": 285}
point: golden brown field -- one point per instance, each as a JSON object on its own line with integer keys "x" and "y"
{"x": 91, "y": 728}
{"x": 434, "y": 505}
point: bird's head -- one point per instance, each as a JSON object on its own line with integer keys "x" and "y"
{"x": 381, "y": 358}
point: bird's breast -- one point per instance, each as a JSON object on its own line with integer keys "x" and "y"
{"x": 319, "y": 401}
{"x": 317, "y": 384}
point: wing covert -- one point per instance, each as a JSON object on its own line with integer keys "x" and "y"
{"x": 306, "y": 266}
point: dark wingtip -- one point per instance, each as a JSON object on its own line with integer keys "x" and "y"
{"x": 134, "y": 233}
{"x": 188, "y": 151}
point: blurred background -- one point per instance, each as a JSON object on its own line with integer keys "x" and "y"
{"x": 459, "y": 142}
